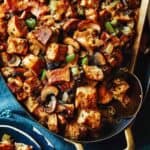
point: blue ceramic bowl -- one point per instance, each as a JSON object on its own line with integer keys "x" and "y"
{"x": 18, "y": 135}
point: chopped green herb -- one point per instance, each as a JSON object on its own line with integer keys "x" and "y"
{"x": 80, "y": 11}
{"x": 43, "y": 74}
{"x": 31, "y": 23}
{"x": 109, "y": 27}
{"x": 84, "y": 60}
{"x": 75, "y": 71}
{"x": 70, "y": 58}
{"x": 114, "y": 22}
{"x": 53, "y": 5}
{"x": 114, "y": 3}
{"x": 6, "y": 137}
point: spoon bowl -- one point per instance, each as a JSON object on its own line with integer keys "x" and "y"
{"x": 135, "y": 93}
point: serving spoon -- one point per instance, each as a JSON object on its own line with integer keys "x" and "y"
{"x": 130, "y": 112}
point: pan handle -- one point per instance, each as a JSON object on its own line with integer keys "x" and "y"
{"x": 78, "y": 146}
{"x": 129, "y": 139}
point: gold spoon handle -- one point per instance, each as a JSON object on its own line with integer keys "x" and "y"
{"x": 78, "y": 146}
{"x": 129, "y": 139}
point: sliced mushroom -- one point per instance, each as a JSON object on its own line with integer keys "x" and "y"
{"x": 51, "y": 91}
{"x": 89, "y": 24}
{"x": 65, "y": 97}
{"x": 99, "y": 59}
{"x": 51, "y": 106}
{"x": 48, "y": 90}
{"x": 14, "y": 61}
{"x": 72, "y": 42}
{"x": 71, "y": 24}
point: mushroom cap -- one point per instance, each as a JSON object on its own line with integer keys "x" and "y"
{"x": 14, "y": 61}
{"x": 89, "y": 24}
{"x": 48, "y": 90}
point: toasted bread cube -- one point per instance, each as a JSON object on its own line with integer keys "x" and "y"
{"x": 15, "y": 84}
{"x": 34, "y": 45}
{"x": 93, "y": 72}
{"x": 58, "y": 75}
{"x": 62, "y": 120}
{"x": 56, "y": 52}
{"x": 33, "y": 63}
{"x": 31, "y": 103}
{"x": 31, "y": 85}
{"x": 3, "y": 28}
{"x": 43, "y": 35}
{"x": 91, "y": 14}
{"x": 105, "y": 95}
{"x": 40, "y": 113}
{"x": 120, "y": 87}
{"x": 7, "y": 71}
{"x": 53, "y": 123}
{"x": 90, "y": 3}
{"x": 75, "y": 131}
{"x": 17, "y": 46}
{"x": 4, "y": 57}
{"x": 86, "y": 97}
{"x": 6, "y": 146}
{"x": 90, "y": 118}
{"x": 17, "y": 27}
{"x": 66, "y": 109}
{"x": 21, "y": 95}
{"x": 22, "y": 146}
{"x": 66, "y": 86}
